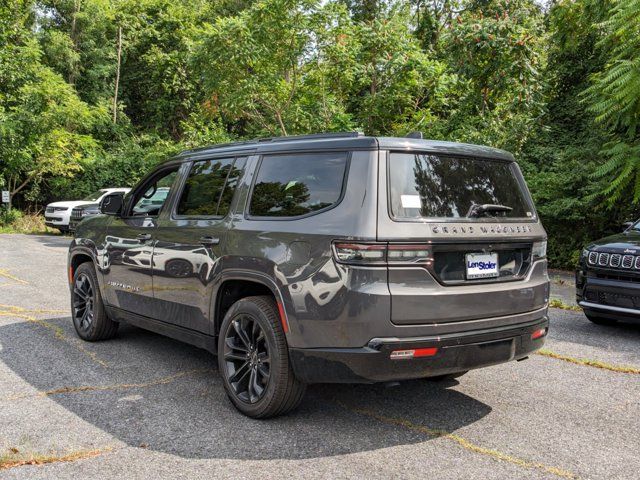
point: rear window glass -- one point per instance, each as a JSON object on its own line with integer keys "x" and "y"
{"x": 293, "y": 185}
{"x": 431, "y": 186}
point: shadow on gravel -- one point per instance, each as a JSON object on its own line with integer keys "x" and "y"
{"x": 190, "y": 415}
{"x": 622, "y": 337}
{"x": 54, "y": 240}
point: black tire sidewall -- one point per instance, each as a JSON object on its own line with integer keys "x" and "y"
{"x": 279, "y": 359}
{"x": 99, "y": 314}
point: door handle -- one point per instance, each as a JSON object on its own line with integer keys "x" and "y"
{"x": 143, "y": 237}
{"x": 209, "y": 241}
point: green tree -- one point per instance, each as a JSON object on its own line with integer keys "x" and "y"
{"x": 266, "y": 69}
{"x": 158, "y": 88}
{"x": 614, "y": 97}
{"x": 497, "y": 48}
{"x": 45, "y": 129}
{"x": 395, "y": 86}
{"x": 563, "y": 151}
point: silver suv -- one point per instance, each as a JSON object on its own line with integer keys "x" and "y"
{"x": 322, "y": 258}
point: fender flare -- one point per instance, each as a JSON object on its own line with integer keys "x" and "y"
{"x": 251, "y": 276}
{"x": 76, "y": 250}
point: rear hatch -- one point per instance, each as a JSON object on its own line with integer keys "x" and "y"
{"x": 474, "y": 224}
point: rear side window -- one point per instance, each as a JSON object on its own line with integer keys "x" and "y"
{"x": 432, "y": 186}
{"x": 210, "y": 187}
{"x": 294, "y": 185}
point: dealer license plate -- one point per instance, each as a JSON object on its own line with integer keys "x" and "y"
{"x": 481, "y": 265}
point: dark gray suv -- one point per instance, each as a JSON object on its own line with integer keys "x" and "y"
{"x": 322, "y": 258}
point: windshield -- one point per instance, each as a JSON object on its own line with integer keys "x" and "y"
{"x": 432, "y": 186}
{"x": 94, "y": 197}
{"x": 636, "y": 226}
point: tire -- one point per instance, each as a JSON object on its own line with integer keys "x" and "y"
{"x": 87, "y": 308}
{"x": 600, "y": 320}
{"x": 448, "y": 376}
{"x": 251, "y": 333}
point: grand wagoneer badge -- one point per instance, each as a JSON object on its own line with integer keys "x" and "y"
{"x": 482, "y": 229}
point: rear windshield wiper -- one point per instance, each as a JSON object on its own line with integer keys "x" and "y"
{"x": 477, "y": 210}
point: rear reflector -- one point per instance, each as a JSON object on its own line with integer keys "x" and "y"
{"x": 415, "y": 353}
{"x": 283, "y": 318}
{"x": 541, "y": 332}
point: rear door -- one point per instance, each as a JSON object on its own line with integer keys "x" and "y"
{"x": 479, "y": 266}
{"x": 190, "y": 240}
{"x": 128, "y": 245}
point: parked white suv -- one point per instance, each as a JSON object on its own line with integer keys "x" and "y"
{"x": 58, "y": 214}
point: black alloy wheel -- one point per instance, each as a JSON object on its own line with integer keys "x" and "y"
{"x": 87, "y": 309}
{"x": 253, "y": 359}
{"x": 246, "y": 355}
{"x": 83, "y": 302}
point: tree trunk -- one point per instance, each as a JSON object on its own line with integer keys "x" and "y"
{"x": 281, "y": 123}
{"x": 72, "y": 35}
{"x": 115, "y": 91}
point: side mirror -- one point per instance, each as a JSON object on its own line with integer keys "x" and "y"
{"x": 112, "y": 204}
{"x": 627, "y": 225}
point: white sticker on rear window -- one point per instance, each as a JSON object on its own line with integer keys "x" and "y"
{"x": 410, "y": 201}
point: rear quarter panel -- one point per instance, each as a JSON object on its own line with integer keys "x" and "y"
{"x": 297, "y": 255}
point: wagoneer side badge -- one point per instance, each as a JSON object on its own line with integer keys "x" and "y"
{"x": 123, "y": 286}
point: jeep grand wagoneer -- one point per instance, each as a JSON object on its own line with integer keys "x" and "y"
{"x": 322, "y": 258}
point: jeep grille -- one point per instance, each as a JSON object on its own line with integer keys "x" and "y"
{"x": 603, "y": 260}
{"x": 613, "y": 260}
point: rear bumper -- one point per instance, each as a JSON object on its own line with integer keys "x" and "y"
{"x": 456, "y": 352}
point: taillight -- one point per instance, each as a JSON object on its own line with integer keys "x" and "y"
{"x": 361, "y": 253}
{"x": 383, "y": 253}
{"x": 418, "y": 254}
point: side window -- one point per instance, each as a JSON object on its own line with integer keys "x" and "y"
{"x": 293, "y": 185}
{"x": 149, "y": 201}
{"x": 231, "y": 185}
{"x": 210, "y": 187}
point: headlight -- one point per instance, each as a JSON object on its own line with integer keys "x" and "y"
{"x": 539, "y": 250}
{"x": 86, "y": 213}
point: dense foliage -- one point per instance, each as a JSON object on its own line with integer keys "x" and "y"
{"x": 94, "y": 92}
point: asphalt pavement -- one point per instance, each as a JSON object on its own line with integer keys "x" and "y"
{"x": 144, "y": 406}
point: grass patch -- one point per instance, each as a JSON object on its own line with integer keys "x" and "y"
{"x": 29, "y": 223}
{"x": 557, "y": 303}
{"x": 15, "y": 458}
{"x": 589, "y": 363}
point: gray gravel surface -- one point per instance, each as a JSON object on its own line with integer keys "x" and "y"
{"x": 144, "y": 406}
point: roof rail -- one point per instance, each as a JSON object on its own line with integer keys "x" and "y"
{"x": 312, "y": 136}
{"x": 291, "y": 138}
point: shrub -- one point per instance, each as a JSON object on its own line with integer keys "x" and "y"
{"x": 9, "y": 216}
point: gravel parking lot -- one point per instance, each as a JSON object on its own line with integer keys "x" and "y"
{"x": 144, "y": 406}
